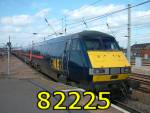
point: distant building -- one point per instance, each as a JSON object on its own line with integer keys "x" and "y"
{"x": 142, "y": 50}
{"x": 3, "y": 51}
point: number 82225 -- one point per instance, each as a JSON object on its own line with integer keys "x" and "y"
{"x": 44, "y": 100}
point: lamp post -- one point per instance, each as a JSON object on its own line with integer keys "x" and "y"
{"x": 9, "y": 46}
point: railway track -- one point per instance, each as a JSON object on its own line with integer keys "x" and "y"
{"x": 142, "y": 75}
{"x": 143, "y": 63}
{"x": 126, "y": 107}
{"x": 144, "y": 81}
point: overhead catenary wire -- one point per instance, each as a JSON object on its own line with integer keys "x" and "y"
{"x": 88, "y": 20}
{"x": 65, "y": 17}
{"x": 123, "y": 26}
{"x": 97, "y": 1}
{"x": 107, "y": 14}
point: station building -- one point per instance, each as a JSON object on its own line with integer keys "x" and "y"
{"x": 141, "y": 50}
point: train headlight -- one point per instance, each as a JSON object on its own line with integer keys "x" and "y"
{"x": 97, "y": 71}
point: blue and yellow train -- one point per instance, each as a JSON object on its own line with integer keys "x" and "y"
{"x": 90, "y": 58}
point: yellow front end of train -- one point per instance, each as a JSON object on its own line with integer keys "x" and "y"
{"x": 108, "y": 66}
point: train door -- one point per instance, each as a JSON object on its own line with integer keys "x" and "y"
{"x": 75, "y": 63}
{"x": 65, "y": 58}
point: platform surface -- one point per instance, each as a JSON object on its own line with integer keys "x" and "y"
{"x": 18, "y": 91}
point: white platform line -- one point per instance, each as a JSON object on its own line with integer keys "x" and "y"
{"x": 119, "y": 108}
{"x": 78, "y": 89}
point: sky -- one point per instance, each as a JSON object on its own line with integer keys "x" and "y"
{"x": 19, "y": 19}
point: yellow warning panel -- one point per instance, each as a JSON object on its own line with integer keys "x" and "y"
{"x": 104, "y": 78}
{"x": 106, "y": 59}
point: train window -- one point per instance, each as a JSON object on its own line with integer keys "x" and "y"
{"x": 110, "y": 44}
{"x": 75, "y": 44}
{"x": 93, "y": 44}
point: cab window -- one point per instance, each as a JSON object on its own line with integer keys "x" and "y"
{"x": 100, "y": 44}
{"x": 75, "y": 45}
{"x": 110, "y": 44}
{"x": 93, "y": 44}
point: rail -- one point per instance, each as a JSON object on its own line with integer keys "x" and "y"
{"x": 144, "y": 81}
{"x": 126, "y": 107}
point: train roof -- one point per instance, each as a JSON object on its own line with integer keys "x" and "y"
{"x": 93, "y": 34}
{"x": 83, "y": 34}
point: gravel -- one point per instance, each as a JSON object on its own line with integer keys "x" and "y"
{"x": 140, "y": 101}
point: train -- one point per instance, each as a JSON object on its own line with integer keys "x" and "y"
{"x": 91, "y": 59}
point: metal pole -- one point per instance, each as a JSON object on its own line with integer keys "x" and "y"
{"x": 8, "y": 71}
{"x": 50, "y": 26}
{"x": 65, "y": 26}
{"x": 129, "y": 33}
{"x": 32, "y": 45}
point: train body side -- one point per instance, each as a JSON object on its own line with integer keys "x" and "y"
{"x": 68, "y": 56}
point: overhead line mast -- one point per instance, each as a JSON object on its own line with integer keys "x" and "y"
{"x": 50, "y": 26}
{"x": 129, "y": 34}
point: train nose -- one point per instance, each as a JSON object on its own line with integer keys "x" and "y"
{"x": 101, "y": 59}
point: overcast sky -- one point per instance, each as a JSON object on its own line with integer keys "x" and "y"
{"x": 21, "y": 18}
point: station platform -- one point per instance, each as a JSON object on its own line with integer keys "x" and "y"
{"x": 18, "y": 91}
